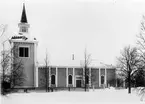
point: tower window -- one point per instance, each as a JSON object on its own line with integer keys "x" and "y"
{"x": 24, "y": 29}
{"x": 23, "y": 52}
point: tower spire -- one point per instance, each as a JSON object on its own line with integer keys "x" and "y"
{"x": 23, "y": 25}
{"x": 23, "y": 17}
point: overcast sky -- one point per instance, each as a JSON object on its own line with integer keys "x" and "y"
{"x": 66, "y": 27}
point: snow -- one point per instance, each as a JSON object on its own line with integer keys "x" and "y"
{"x": 98, "y": 96}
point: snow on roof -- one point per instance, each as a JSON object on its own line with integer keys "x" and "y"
{"x": 76, "y": 64}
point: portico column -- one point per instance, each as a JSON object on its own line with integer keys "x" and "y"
{"x": 99, "y": 78}
{"x": 56, "y": 76}
{"x": 74, "y": 77}
{"x": 67, "y": 77}
{"x": 105, "y": 78}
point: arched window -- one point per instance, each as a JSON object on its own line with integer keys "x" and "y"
{"x": 87, "y": 79}
{"x": 53, "y": 79}
{"x": 102, "y": 79}
{"x": 70, "y": 79}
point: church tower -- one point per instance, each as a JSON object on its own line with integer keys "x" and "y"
{"x": 25, "y": 51}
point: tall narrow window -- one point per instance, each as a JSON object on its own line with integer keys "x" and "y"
{"x": 26, "y": 52}
{"x": 102, "y": 79}
{"x": 23, "y": 52}
{"x": 53, "y": 79}
{"x": 70, "y": 79}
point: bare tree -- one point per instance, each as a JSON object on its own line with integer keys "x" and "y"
{"x": 3, "y": 61}
{"x": 46, "y": 72}
{"x": 5, "y": 67}
{"x": 12, "y": 68}
{"x": 2, "y": 29}
{"x": 17, "y": 76}
{"x": 128, "y": 63}
{"x": 141, "y": 44}
{"x": 85, "y": 65}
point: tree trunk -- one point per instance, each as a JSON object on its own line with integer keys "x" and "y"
{"x": 46, "y": 78}
{"x": 129, "y": 83}
{"x": 85, "y": 79}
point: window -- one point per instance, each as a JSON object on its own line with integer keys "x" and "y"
{"x": 23, "y": 52}
{"x": 87, "y": 79}
{"x": 53, "y": 79}
{"x": 70, "y": 79}
{"x": 24, "y": 29}
{"x": 102, "y": 79}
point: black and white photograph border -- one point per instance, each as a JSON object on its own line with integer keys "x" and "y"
{"x": 72, "y": 51}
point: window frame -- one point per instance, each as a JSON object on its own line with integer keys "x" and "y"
{"x": 24, "y": 52}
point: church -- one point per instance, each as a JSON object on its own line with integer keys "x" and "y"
{"x": 57, "y": 76}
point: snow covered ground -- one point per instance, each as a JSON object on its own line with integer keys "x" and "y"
{"x": 99, "y": 96}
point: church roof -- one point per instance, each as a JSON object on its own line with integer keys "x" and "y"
{"x": 24, "y": 17}
{"x": 75, "y": 64}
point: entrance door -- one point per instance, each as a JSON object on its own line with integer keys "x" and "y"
{"x": 78, "y": 83}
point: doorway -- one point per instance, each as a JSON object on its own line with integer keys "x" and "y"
{"x": 78, "y": 83}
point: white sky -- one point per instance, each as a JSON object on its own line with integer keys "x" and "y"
{"x": 66, "y": 27}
